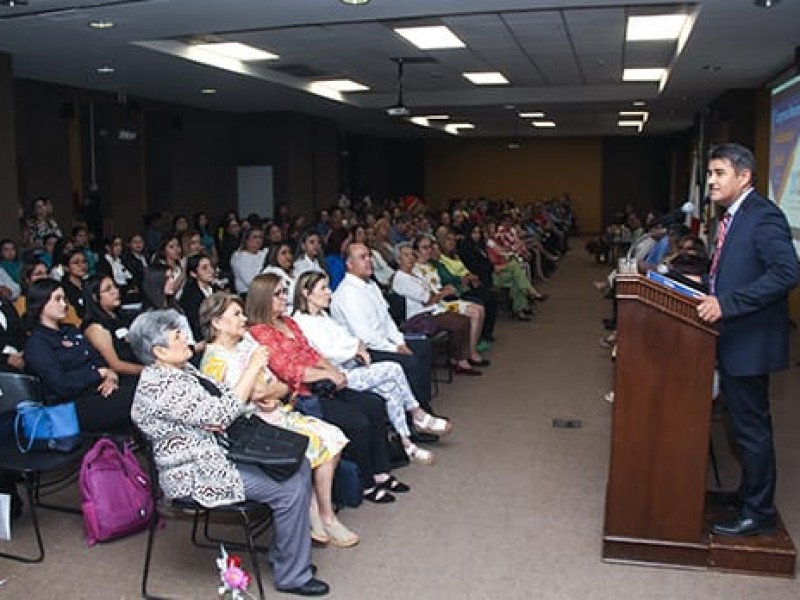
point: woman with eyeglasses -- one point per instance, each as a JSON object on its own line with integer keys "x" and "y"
{"x": 106, "y": 327}
{"x": 334, "y": 342}
{"x": 76, "y": 268}
{"x": 361, "y": 415}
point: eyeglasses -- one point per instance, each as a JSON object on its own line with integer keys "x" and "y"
{"x": 280, "y": 292}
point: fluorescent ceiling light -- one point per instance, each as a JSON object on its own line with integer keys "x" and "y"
{"x": 105, "y": 70}
{"x": 544, "y": 123}
{"x": 437, "y": 117}
{"x": 455, "y": 128}
{"x": 238, "y": 51}
{"x": 355, "y": 2}
{"x": 624, "y": 123}
{"x": 639, "y": 103}
{"x": 208, "y": 91}
{"x": 640, "y": 114}
{"x": 421, "y": 121}
{"x": 486, "y": 78}
{"x": 437, "y": 37}
{"x": 531, "y": 115}
{"x": 654, "y": 27}
{"x": 643, "y": 74}
{"x": 341, "y": 85}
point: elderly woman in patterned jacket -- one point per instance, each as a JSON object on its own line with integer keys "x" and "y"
{"x": 178, "y": 409}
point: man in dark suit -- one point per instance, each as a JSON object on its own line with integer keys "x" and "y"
{"x": 754, "y": 268}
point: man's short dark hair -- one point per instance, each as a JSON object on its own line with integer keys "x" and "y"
{"x": 739, "y": 157}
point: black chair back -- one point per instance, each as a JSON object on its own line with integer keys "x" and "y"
{"x": 15, "y": 387}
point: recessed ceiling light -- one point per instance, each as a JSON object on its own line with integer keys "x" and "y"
{"x": 765, "y": 3}
{"x": 355, "y": 2}
{"x": 643, "y": 74}
{"x": 341, "y": 85}
{"x": 101, "y": 24}
{"x": 544, "y": 124}
{"x": 13, "y": 3}
{"x": 487, "y": 78}
{"x": 208, "y": 91}
{"x": 436, "y": 37}
{"x": 238, "y": 51}
{"x": 105, "y": 70}
{"x": 642, "y": 114}
{"x": 654, "y": 27}
{"x": 531, "y": 115}
{"x": 639, "y": 103}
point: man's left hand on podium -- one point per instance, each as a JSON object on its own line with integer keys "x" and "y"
{"x": 709, "y": 309}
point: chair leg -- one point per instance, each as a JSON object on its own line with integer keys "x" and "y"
{"x": 151, "y": 534}
{"x": 29, "y": 487}
{"x": 248, "y": 532}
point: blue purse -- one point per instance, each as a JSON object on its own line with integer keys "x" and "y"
{"x": 40, "y": 428}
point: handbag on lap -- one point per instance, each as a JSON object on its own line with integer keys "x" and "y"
{"x": 277, "y": 451}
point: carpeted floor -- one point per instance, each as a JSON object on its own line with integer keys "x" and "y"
{"x": 512, "y": 509}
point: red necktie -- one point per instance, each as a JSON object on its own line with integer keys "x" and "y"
{"x": 721, "y": 232}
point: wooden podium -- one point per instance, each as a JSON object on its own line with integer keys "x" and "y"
{"x": 656, "y": 508}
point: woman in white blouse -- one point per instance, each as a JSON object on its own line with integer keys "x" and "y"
{"x": 280, "y": 261}
{"x": 309, "y": 253}
{"x": 334, "y": 342}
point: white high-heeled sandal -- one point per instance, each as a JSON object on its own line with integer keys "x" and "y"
{"x": 434, "y": 425}
{"x": 419, "y": 455}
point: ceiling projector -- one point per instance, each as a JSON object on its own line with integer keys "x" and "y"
{"x": 398, "y": 111}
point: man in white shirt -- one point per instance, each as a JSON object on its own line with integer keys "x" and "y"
{"x": 248, "y": 261}
{"x": 359, "y": 305}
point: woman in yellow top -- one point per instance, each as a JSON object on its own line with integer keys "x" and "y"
{"x": 226, "y": 357}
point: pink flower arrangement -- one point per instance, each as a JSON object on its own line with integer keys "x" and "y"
{"x": 234, "y": 579}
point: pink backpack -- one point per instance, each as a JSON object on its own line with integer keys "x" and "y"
{"x": 115, "y": 493}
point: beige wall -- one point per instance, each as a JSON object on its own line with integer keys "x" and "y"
{"x": 539, "y": 168}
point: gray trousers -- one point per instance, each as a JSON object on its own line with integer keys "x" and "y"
{"x": 290, "y": 553}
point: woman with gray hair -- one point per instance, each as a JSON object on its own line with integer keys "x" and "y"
{"x": 179, "y": 409}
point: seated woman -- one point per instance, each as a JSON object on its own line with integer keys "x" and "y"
{"x": 179, "y": 409}
{"x": 334, "y": 342}
{"x": 468, "y": 285}
{"x": 106, "y": 327}
{"x": 112, "y": 264}
{"x": 309, "y": 253}
{"x": 421, "y": 298}
{"x": 227, "y": 355}
{"x": 12, "y": 338}
{"x": 425, "y": 269}
{"x": 69, "y": 367}
{"x": 362, "y": 416}
{"x": 280, "y": 262}
{"x": 199, "y": 286}
{"x": 76, "y": 268}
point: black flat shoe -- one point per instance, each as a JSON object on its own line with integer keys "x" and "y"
{"x": 423, "y": 437}
{"x": 393, "y": 484}
{"x": 744, "y": 527}
{"x": 312, "y": 587}
{"x": 379, "y": 495}
{"x": 480, "y": 363}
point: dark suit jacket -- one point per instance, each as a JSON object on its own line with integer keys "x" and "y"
{"x": 757, "y": 268}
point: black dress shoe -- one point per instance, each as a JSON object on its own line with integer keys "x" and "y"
{"x": 312, "y": 587}
{"x": 743, "y": 527}
{"x": 420, "y": 437}
{"x": 484, "y": 362}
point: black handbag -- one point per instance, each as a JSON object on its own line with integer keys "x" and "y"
{"x": 278, "y": 452}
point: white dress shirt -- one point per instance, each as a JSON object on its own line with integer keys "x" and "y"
{"x": 329, "y": 338}
{"x": 359, "y": 306}
{"x": 305, "y": 264}
{"x": 417, "y": 293}
{"x": 246, "y": 265}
